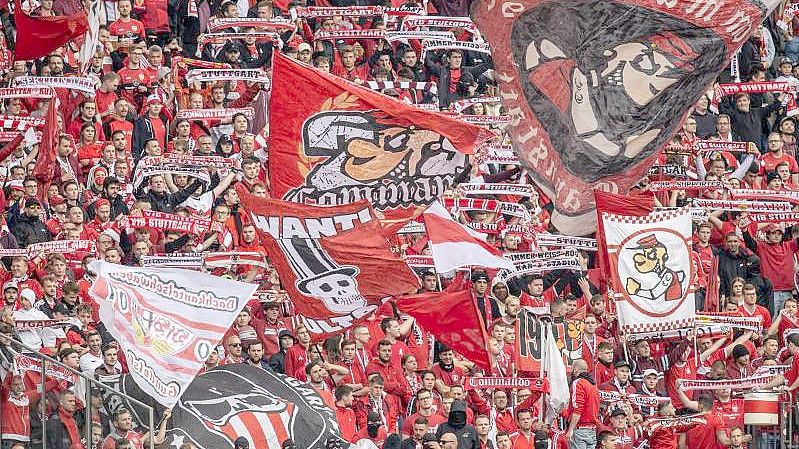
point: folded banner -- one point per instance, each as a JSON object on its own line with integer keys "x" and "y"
{"x": 470, "y": 204}
{"x": 215, "y": 114}
{"x": 742, "y": 206}
{"x": 490, "y": 383}
{"x": 170, "y": 222}
{"x": 640, "y": 400}
{"x": 439, "y": 44}
{"x": 26, "y": 92}
{"x": 485, "y": 119}
{"x": 441, "y": 312}
{"x": 426, "y": 86}
{"x": 333, "y": 142}
{"x": 331, "y": 260}
{"x": 82, "y": 84}
{"x": 252, "y": 75}
{"x": 467, "y": 189}
{"x": 231, "y": 258}
{"x": 334, "y": 35}
{"x": 660, "y": 186}
{"x": 63, "y": 246}
{"x": 343, "y": 11}
{"x": 156, "y": 165}
{"x": 772, "y": 370}
{"x": 774, "y": 217}
{"x": 538, "y": 267}
{"x": 26, "y": 119}
{"x": 242, "y": 401}
{"x": 413, "y": 227}
{"x": 589, "y": 116}
{"x": 446, "y": 23}
{"x": 557, "y": 240}
{"x": 29, "y": 325}
{"x": 720, "y": 145}
{"x": 791, "y": 196}
{"x": 460, "y": 105}
{"x": 192, "y": 260}
{"x": 201, "y": 161}
{"x": 26, "y": 363}
{"x": 650, "y": 266}
{"x": 167, "y": 320}
{"x": 419, "y": 261}
{"x": 542, "y": 255}
{"x": 746, "y": 383}
{"x": 681, "y": 422}
{"x": 395, "y": 36}
{"x": 754, "y": 323}
{"x": 226, "y": 23}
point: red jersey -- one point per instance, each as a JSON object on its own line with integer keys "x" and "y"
{"x": 687, "y": 371}
{"x": 451, "y": 377}
{"x": 704, "y": 435}
{"x": 295, "y": 360}
{"x": 769, "y": 162}
{"x": 129, "y": 29}
{"x": 758, "y": 311}
{"x": 731, "y": 412}
{"x": 433, "y": 421}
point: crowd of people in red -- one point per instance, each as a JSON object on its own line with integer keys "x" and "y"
{"x": 391, "y": 382}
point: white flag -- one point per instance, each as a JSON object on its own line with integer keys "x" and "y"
{"x": 651, "y": 270}
{"x": 167, "y": 321}
{"x": 555, "y": 369}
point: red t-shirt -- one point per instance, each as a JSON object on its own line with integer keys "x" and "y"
{"x": 769, "y": 162}
{"x": 704, "y": 435}
{"x": 131, "y": 28}
{"x": 105, "y": 101}
{"x": 450, "y": 378}
{"x": 433, "y": 421}
{"x": 759, "y": 311}
{"x": 732, "y": 412}
{"x": 159, "y": 131}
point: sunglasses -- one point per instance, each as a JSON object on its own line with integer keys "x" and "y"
{"x": 235, "y": 345}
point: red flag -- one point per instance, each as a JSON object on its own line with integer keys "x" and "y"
{"x": 712, "y": 300}
{"x": 334, "y": 262}
{"x": 43, "y": 172}
{"x": 444, "y": 313}
{"x": 631, "y": 205}
{"x": 40, "y": 36}
{"x": 333, "y": 142}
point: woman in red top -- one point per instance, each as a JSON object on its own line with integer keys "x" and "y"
{"x": 89, "y": 149}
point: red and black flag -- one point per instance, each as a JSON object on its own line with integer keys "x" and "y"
{"x": 598, "y": 87}
{"x": 333, "y": 142}
{"x": 334, "y": 262}
{"x": 265, "y": 408}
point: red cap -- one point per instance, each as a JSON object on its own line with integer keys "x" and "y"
{"x": 57, "y": 199}
{"x": 101, "y": 202}
{"x": 648, "y": 241}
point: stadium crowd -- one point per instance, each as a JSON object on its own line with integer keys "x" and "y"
{"x": 390, "y": 381}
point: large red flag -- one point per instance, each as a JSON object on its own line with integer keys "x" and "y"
{"x": 335, "y": 262}
{"x": 453, "y": 318}
{"x": 40, "y": 36}
{"x": 45, "y": 166}
{"x": 333, "y": 142}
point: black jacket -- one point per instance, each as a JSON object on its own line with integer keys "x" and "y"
{"x": 456, "y": 423}
{"x": 142, "y": 132}
{"x": 165, "y": 201}
{"x": 29, "y": 230}
{"x": 732, "y": 266}
{"x": 57, "y": 435}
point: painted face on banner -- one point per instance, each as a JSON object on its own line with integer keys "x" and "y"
{"x": 361, "y": 154}
{"x": 597, "y": 87}
{"x": 233, "y": 401}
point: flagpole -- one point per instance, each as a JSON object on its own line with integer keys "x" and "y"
{"x": 544, "y": 356}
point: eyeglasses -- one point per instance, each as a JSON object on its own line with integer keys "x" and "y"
{"x": 447, "y": 441}
{"x": 235, "y": 345}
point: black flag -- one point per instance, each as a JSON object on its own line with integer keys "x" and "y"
{"x": 239, "y": 400}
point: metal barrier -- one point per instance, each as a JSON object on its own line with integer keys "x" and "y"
{"x": 90, "y": 381}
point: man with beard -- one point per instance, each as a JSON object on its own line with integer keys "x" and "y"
{"x": 446, "y": 371}
{"x": 489, "y": 310}
{"x": 391, "y": 372}
{"x": 583, "y": 408}
{"x": 499, "y": 289}
{"x": 255, "y": 356}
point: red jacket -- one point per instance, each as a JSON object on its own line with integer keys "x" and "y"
{"x": 294, "y": 362}
{"x": 585, "y": 401}
{"x": 388, "y": 408}
{"x": 346, "y": 423}
{"x": 394, "y": 378}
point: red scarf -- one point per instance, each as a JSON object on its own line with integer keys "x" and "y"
{"x": 69, "y": 422}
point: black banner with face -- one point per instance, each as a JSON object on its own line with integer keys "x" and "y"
{"x": 597, "y": 87}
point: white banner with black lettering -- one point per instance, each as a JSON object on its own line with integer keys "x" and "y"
{"x": 167, "y": 320}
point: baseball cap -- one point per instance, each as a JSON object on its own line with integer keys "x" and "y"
{"x": 286, "y": 333}
{"x": 617, "y": 412}
{"x": 650, "y": 372}
{"x": 304, "y": 47}
{"x": 10, "y": 284}
{"x": 621, "y": 363}
{"x": 56, "y": 200}
{"x": 154, "y": 99}
{"x": 32, "y": 202}
{"x": 785, "y": 60}
{"x": 16, "y": 185}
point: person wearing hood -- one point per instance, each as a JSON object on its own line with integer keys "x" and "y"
{"x": 583, "y": 408}
{"x": 456, "y": 424}
{"x": 734, "y": 261}
{"x": 763, "y": 285}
